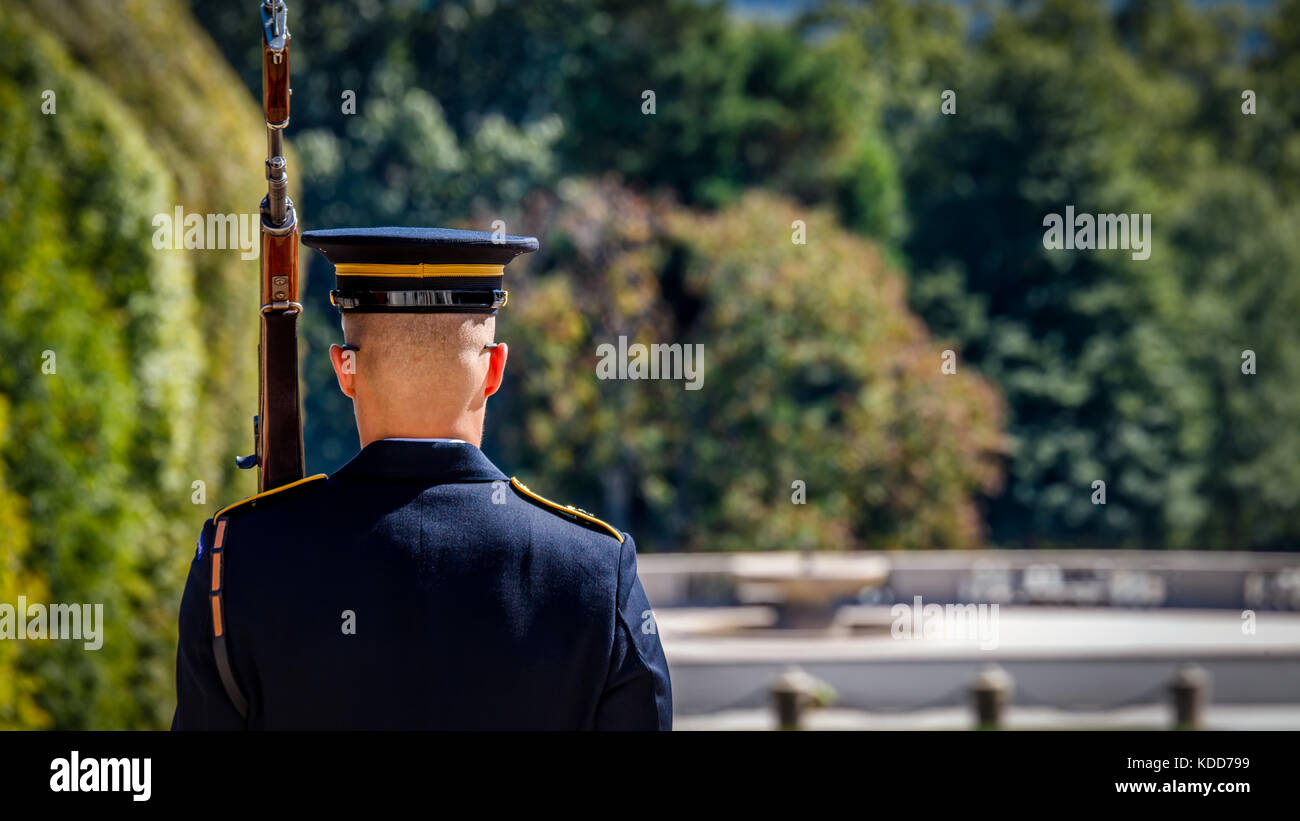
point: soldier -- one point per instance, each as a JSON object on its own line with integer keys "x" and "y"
{"x": 417, "y": 587}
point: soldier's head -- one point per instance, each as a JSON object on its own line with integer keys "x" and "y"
{"x": 419, "y": 375}
{"x": 420, "y": 356}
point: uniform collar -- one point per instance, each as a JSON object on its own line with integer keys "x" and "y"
{"x": 433, "y": 460}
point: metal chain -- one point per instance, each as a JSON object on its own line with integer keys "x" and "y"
{"x": 958, "y": 696}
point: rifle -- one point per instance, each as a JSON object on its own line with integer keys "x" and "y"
{"x": 277, "y": 428}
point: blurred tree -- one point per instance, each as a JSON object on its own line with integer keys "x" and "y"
{"x": 102, "y": 450}
{"x": 1058, "y": 115}
{"x": 1240, "y": 249}
{"x": 813, "y": 370}
{"x": 735, "y": 105}
{"x": 1270, "y": 139}
{"x": 19, "y": 686}
{"x": 1111, "y": 109}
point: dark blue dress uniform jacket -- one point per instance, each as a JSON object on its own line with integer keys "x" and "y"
{"x": 474, "y": 605}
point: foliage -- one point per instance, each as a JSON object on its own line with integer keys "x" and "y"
{"x": 98, "y": 457}
{"x": 812, "y": 370}
{"x": 1107, "y": 368}
{"x": 737, "y": 105}
{"x": 1114, "y": 368}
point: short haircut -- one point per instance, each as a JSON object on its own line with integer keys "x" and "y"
{"x": 394, "y": 333}
{"x": 415, "y": 359}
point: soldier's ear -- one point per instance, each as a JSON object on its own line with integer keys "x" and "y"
{"x": 345, "y": 369}
{"x": 496, "y": 367}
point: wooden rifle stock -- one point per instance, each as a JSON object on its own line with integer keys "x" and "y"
{"x": 278, "y": 424}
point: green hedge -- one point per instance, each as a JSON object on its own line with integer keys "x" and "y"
{"x": 98, "y": 458}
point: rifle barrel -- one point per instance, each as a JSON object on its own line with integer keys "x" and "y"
{"x": 275, "y": 102}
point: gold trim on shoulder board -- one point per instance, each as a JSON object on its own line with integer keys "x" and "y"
{"x": 568, "y": 510}
{"x": 266, "y": 493}
{"x": 420, "y": 269}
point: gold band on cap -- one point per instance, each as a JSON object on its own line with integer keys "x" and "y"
{"x": 419, "y": 269}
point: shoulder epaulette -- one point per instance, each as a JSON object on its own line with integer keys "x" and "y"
{"x": 568, "y": 511}
{"x": 259, "y": 496}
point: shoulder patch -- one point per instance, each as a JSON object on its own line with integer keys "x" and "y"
{"x": 567, "y": 511}
{"x": 259, "y": 496}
